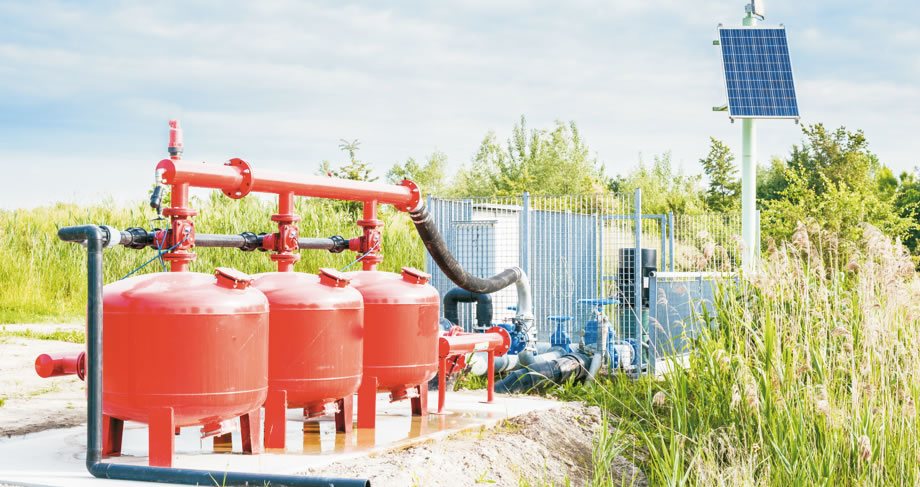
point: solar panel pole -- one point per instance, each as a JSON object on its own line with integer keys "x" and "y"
{"x": 749, "y": 230}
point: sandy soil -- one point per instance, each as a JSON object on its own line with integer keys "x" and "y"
{"x": 31, "y": 403}
{"x": 541, "y": 448}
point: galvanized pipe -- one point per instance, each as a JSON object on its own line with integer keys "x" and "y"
{"x": 140, "y": 238}
{"x": 96, "y": 239}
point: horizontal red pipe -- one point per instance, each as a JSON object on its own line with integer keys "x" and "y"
{"x": 237, "y": 179}
{"x": 473, "y": 342}
{"x": 57, "y": 364}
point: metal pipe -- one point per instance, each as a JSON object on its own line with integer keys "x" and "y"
{"x": 237, "y": 179}
{"x": 527, "y": 359}
{"x": 96, "y": 239}
{"x": 572, "y": 366}
{"x": 139, "y": 238}
{"x": 479, "y": 363}
{"x": 748, "y": 184}
{"x": 457, "y": 295}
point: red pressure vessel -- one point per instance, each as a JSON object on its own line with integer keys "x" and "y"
{"x": 183, "y": 349}
{"x": 316, "y": 338}
{"x": 400, "y": 329}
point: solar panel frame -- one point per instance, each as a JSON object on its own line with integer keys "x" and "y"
{"x": 781, "y": 102}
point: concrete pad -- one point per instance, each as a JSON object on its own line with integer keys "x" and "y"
{"x": 56, "y": 457}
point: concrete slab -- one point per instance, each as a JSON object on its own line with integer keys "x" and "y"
{"x": 56, "y": 457}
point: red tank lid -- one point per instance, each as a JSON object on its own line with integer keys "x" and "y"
{"x": 391, "y": 288}
{"x": 297, "y": 290}
{"x": 226, "y": 292}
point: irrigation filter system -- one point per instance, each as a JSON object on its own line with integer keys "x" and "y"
{"x": 187, "y": 349}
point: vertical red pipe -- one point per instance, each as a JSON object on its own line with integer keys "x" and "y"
{"x": 491, "y": 377}
{"x": 181, "y": 237}
{"x": 285, "y": 241}
{"x": 442, "y": 382}
{"x": 372, "y": 239}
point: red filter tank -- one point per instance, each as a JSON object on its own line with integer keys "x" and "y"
{"x": 400, "y": 338}
{"x": 183, "y": 349}
{"x": 316, "y": 338}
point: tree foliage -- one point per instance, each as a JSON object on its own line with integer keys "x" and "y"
{"x": 431, "y": 176}
{"x": 832, "y": 182}
{"x": 354, "y": 168}
{"x": 724, "y": 191}
{"x": 664, "y": 187}
{"x": 541, "y": 161}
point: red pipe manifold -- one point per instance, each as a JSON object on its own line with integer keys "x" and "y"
{"x": 236, "y": 179}
{"x": 455, "y": 344}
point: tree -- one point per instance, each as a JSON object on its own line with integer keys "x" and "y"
{"x": 771, "y": 180}
{"x": 354, "y": 168}
{"x": 430, "y": 176}
{"x": 907, "y": 203}
{"x": 554, "y": 161}
{"x": 665, "y": 188}
{"x": 724, "y": 191}
{"x": 833, "y": 183}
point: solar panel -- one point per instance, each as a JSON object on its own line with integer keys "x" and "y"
{"x": 758, "y": 74}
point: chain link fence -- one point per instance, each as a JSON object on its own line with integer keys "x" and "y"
{"x": 577, "y": 248}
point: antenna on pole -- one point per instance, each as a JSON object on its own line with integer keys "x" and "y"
{"x": 755, "y": 9}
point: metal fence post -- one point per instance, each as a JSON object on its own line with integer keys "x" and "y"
{"x": 671, "y": 238}
{"x": 637, "y": 304}
{"x": 525, "y": 232}
{"x": 653, "y": 331}
{"x": 664, "y": 240}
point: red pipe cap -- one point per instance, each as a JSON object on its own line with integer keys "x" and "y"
{"x": 44, "y": 366}
{"x": 332, "y": 277}
{"x": 232, "y": 278}
{"x": 415, "y": 276}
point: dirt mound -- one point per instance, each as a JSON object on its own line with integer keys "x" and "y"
{"x": 550, "y": 447}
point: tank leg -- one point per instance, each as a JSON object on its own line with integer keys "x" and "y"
{"x": 420, "y": 403}
{"x": 367, "y": 403}
{"x": 161, "y": 437}
{"x": 112, "y": 431}
{"x": 223, "y": 443}
{"x": 249, "y": 426}
{"x": 275, "y": 421}
{"x": 345, "y": 413}
{"x": 442, "y": 383}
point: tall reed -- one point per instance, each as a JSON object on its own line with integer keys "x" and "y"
{"x": 809, "y": 376}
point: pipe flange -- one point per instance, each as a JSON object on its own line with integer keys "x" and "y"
{"x": 415, "y": 201}
{"x": 246, "y": 173}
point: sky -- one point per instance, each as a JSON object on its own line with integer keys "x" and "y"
{"x": 87, "y": 87}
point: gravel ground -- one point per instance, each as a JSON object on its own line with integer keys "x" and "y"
{"x": 31, "y": 403}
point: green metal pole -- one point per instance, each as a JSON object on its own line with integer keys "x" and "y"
{"x": 749, "y": 230}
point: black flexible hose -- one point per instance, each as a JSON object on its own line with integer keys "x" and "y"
{"x": 532, "y": 377}
{"x": 483, "y": 306}
{"x": 437, "y": 247}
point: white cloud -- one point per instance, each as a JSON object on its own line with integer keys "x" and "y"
{"x": 280, "y": 82}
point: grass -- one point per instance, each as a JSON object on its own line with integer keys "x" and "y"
{"x": 44, "y": 279}
{"x": 809, "y": 378}
{"x": 72, "y": 336}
